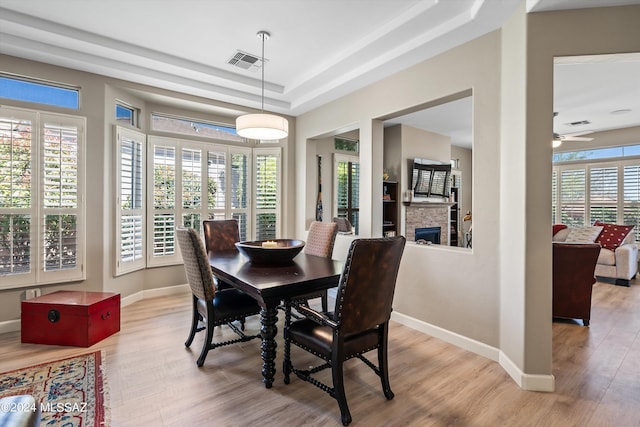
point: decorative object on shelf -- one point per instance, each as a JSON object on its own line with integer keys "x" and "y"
{"x": 277, "y": 251}
{"x": 261, "y": 125}
{"x": 385, "y": 175}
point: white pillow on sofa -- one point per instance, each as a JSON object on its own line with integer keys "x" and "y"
{"x": 631, "y": 238}
{"x": 561, "y": 235}
{"x": 584, "y": 234}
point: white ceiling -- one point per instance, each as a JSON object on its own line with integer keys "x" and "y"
{"x": 319, "y": 50}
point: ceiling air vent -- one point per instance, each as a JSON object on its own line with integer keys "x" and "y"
{"x": 245, "y": 60}
{"x": 580, "y": 123}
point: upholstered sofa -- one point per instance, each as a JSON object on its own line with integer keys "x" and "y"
{"x": 618, "y": 259}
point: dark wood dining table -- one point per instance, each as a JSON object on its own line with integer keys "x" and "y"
{"x": 269, "y": 285}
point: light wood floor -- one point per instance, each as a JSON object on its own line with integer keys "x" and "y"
{"x": 154, "y": 380}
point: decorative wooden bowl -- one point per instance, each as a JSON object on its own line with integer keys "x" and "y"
{"x": 277, "y": 251}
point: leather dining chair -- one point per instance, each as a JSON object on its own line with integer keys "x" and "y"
{"x": 220, "y": 236}
{"x": 320, "y": 241}
{"x": 358, "y": 324}
{"x": 210, "y": 306}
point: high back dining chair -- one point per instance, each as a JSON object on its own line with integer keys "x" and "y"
{"x": 320, "y": 241}
{"x": 210, "y": 306}
{"x": 359, "y": 323}
{"x": 220, "y": 236}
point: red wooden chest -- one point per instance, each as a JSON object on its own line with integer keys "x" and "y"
{"x": 72, "y": 318}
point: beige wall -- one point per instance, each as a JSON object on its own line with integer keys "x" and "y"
{"x": 432, "y": 285}
{"x": 576, "y": 32}
{"x": 495, "y": 299}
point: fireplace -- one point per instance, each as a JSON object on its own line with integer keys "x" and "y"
{"x": 427, "y": 215}
{"x": 429, "y": 234}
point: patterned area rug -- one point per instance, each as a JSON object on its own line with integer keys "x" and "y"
{"x": 70, "y": 392}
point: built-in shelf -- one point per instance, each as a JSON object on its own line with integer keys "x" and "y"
{"x": 429, "y": 204}
{"x": 390, "y": 208}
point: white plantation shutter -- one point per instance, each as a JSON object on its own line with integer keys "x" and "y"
{"x": 603, "y": 194}
{"x": 216, "y": 181}
{"x": 130, "y": 212}
{"x": 162, "y": 201}
{"x": 41, "y": 189}
{"x": 60, "y": 199}
{"x": 267, "y": 194}
{"x": 554, "y": 196}
{"x": 239, "y": 200}
{"x": 192, "y": 188}
{"x": 611, "y": 194}
{"x": 191, "y": 182}
{"x": 17, "y": 200}
{"x": 347, "y": 188}
{"x": 631, "y": 197}
{"x": 573, "y": 197}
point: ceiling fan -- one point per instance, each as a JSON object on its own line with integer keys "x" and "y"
{"x": 574, "y": 136}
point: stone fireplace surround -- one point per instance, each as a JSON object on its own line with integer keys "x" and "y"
{"x": 427, "y": 214}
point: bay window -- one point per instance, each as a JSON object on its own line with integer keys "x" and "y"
{"x": 193, "y": 181}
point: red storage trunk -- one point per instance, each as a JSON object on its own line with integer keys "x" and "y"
{"x": 73, "y": 318}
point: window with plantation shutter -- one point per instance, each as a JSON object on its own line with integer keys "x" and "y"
{"x": 238, "y": 203}
{"x": 163, "y": 203}
{"x": 611, "y": 193}
{"x": 193, "y": 181}
{"x": 267, "y": 195}
{"x": 572, "y": 197}
{"x": 130, "y": 207}
{"x": 347, "y": 188}
{"x": 603, "y": 194}
{"x": 192, "y": 188}
{"x": 554, "y": 195}
{"x": 41, "y": 189}
{"x": 631, "y": 197}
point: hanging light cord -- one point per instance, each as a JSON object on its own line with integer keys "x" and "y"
{"x": 263, "y": 35}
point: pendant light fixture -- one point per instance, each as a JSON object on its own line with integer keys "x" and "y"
{"x": 261, "y": 125}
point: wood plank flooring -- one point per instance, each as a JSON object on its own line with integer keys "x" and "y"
{"x": 153, "y": 379}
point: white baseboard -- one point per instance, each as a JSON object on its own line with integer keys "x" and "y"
{"x": 153, "y": 293}
{"x": 525, "y": 381}
{"x": 9, "y": 326}
{"x": 14, "y": 325}
{"x": 529, "y": 382}
{"x": 458, "y": 340}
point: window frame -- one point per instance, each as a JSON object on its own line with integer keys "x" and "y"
{"x": 203, "y": 210}
{"x": 622, "y": 206}
{"x": 337, "y": 158}
{"x": 123, "y": 266}
{"x": 276, "y": 210}
{"x": 38, "y": 274}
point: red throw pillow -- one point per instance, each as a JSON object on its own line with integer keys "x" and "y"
{"x": 558, "y": 227}
{"x": 612, "y": 235}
